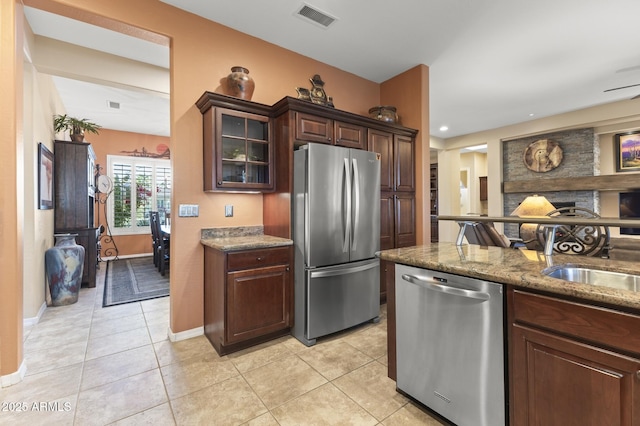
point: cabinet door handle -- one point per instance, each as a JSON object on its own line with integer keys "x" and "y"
{"x": 259, "y": 259}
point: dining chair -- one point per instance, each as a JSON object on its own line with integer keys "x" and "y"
{"x": 162, "y": 245}
{"x": 154, "y": 218}
{"x": 485, "y": 234}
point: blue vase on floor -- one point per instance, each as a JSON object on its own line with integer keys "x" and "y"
{"x": 64, "y": 264}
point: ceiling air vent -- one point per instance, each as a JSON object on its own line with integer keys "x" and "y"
{"x": 113, "y": 105}
{"x": 316, "y": 16}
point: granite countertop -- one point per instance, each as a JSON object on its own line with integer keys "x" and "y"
{"x": 240, "y": 238}
{"x": 520, "y": 268}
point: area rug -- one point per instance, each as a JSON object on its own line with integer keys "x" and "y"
{"x": 133, "y": 280}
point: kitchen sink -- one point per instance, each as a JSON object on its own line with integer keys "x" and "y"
{"x": 584, "y": 275}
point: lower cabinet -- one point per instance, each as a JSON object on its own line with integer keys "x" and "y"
{"x": 247, "y": 296}
{"x": 397, "y": 220}
{"x": 572, "y": 363}
{"x": 388, "y": 282}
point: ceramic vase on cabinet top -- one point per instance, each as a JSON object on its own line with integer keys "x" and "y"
{"x": 240, "y": 84}
{"x": 384, "y": 113}
{"x": 64, "y": 264}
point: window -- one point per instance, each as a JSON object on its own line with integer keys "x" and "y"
{"x": 140, "y": 185}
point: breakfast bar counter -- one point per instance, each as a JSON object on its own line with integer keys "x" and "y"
{"x": 519, "y": 268}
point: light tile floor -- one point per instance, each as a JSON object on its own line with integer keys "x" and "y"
{"x": 88, "y": 365}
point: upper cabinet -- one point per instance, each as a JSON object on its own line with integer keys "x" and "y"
{"x": 396, "y": 160}
{"x": 237, "y": 146}
{"x": 314, "y": 128}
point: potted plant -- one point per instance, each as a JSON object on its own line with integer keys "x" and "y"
{"x": 77, "y": 127}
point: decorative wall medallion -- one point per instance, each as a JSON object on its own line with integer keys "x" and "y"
{"x": 542, "y": 155}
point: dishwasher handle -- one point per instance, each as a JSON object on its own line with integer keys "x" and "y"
{"x": 438, "y": 286}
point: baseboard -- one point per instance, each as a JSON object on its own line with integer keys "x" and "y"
{"x": 127, "y": 256}
{"x": 184, "y": 335}
{"x": 28, "y": 322}
{"x": 14, "y": 378}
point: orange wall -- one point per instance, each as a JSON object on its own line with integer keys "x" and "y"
{"x": 202, "y": 53}
{"x": 115, "y": 142}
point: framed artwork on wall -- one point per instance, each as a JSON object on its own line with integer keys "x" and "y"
{"x": 45, "y": 177}
{"x": 627, "y": 151}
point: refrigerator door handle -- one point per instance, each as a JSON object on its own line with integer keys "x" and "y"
{"x": 347, "y": 211}
{"x": 343, "y": 271}
{"x": 356, "y": 213}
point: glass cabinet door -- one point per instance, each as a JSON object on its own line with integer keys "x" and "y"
{"x": 244, "y": 152}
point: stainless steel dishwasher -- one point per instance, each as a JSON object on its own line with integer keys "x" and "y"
{"x": 450, "y": 345}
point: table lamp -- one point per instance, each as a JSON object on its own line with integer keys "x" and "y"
{"x": 532, "y": 206}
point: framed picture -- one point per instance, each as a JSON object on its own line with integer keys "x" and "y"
{"x": 627, "y": 147}
{"x": 45, "y": 177}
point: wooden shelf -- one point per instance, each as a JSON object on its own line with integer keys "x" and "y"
{"x": 618, "y": 182}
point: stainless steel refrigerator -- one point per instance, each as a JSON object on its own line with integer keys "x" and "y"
{"x": 336, "y": 232}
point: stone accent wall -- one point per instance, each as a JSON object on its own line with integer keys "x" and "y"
{"x": 581, "y": 157}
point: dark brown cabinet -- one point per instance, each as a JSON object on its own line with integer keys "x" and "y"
{"x": 75, "y": 200}
{"x": 397, "y": 220}
{"x": 313, "y": 128}
{"x": 237, "y": 146}
{"x": 248, "y": 296}
{"x": 484, "y": 192}
{"x": 388, "y": 283}
{"x": 397, "y": 171}
{"x": 572, "y": 363}
{"x": 397, "y": 185}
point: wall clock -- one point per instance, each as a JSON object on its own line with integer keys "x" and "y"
{"x": 542, "y": 155}
{"x": 105, "y": 184}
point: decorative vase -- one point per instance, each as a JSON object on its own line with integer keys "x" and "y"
{"x": 64, "y": 265}
{"x": 240, "y": 84}
{"x": 384, "y": 113}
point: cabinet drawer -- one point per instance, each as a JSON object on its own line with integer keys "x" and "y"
{"x": 248, "y": 259}
{"x": 605, "y": 326}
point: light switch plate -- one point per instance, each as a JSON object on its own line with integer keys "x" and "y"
{"x": 188, "y": 210}
{"x": 228, "y": 210}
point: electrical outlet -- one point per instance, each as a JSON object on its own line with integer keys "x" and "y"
{"x": 228, "y": 210}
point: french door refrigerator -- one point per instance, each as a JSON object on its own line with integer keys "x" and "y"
{"x": 336, "y": 232}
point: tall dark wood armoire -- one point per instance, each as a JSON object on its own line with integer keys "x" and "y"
{"x": 75, "y": 200}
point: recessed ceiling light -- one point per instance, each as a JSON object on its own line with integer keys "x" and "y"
{"x": 531, "y": 114}
{"x": 444, "y": 128}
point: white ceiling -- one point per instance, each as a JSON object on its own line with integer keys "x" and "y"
{"x": 492, "y": 62}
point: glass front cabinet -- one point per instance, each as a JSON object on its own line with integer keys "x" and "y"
{"x": 244, "y": 150}
{"x": 238, "y": 149}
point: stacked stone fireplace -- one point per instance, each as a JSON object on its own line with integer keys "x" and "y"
{"x": 581, "y": 157}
